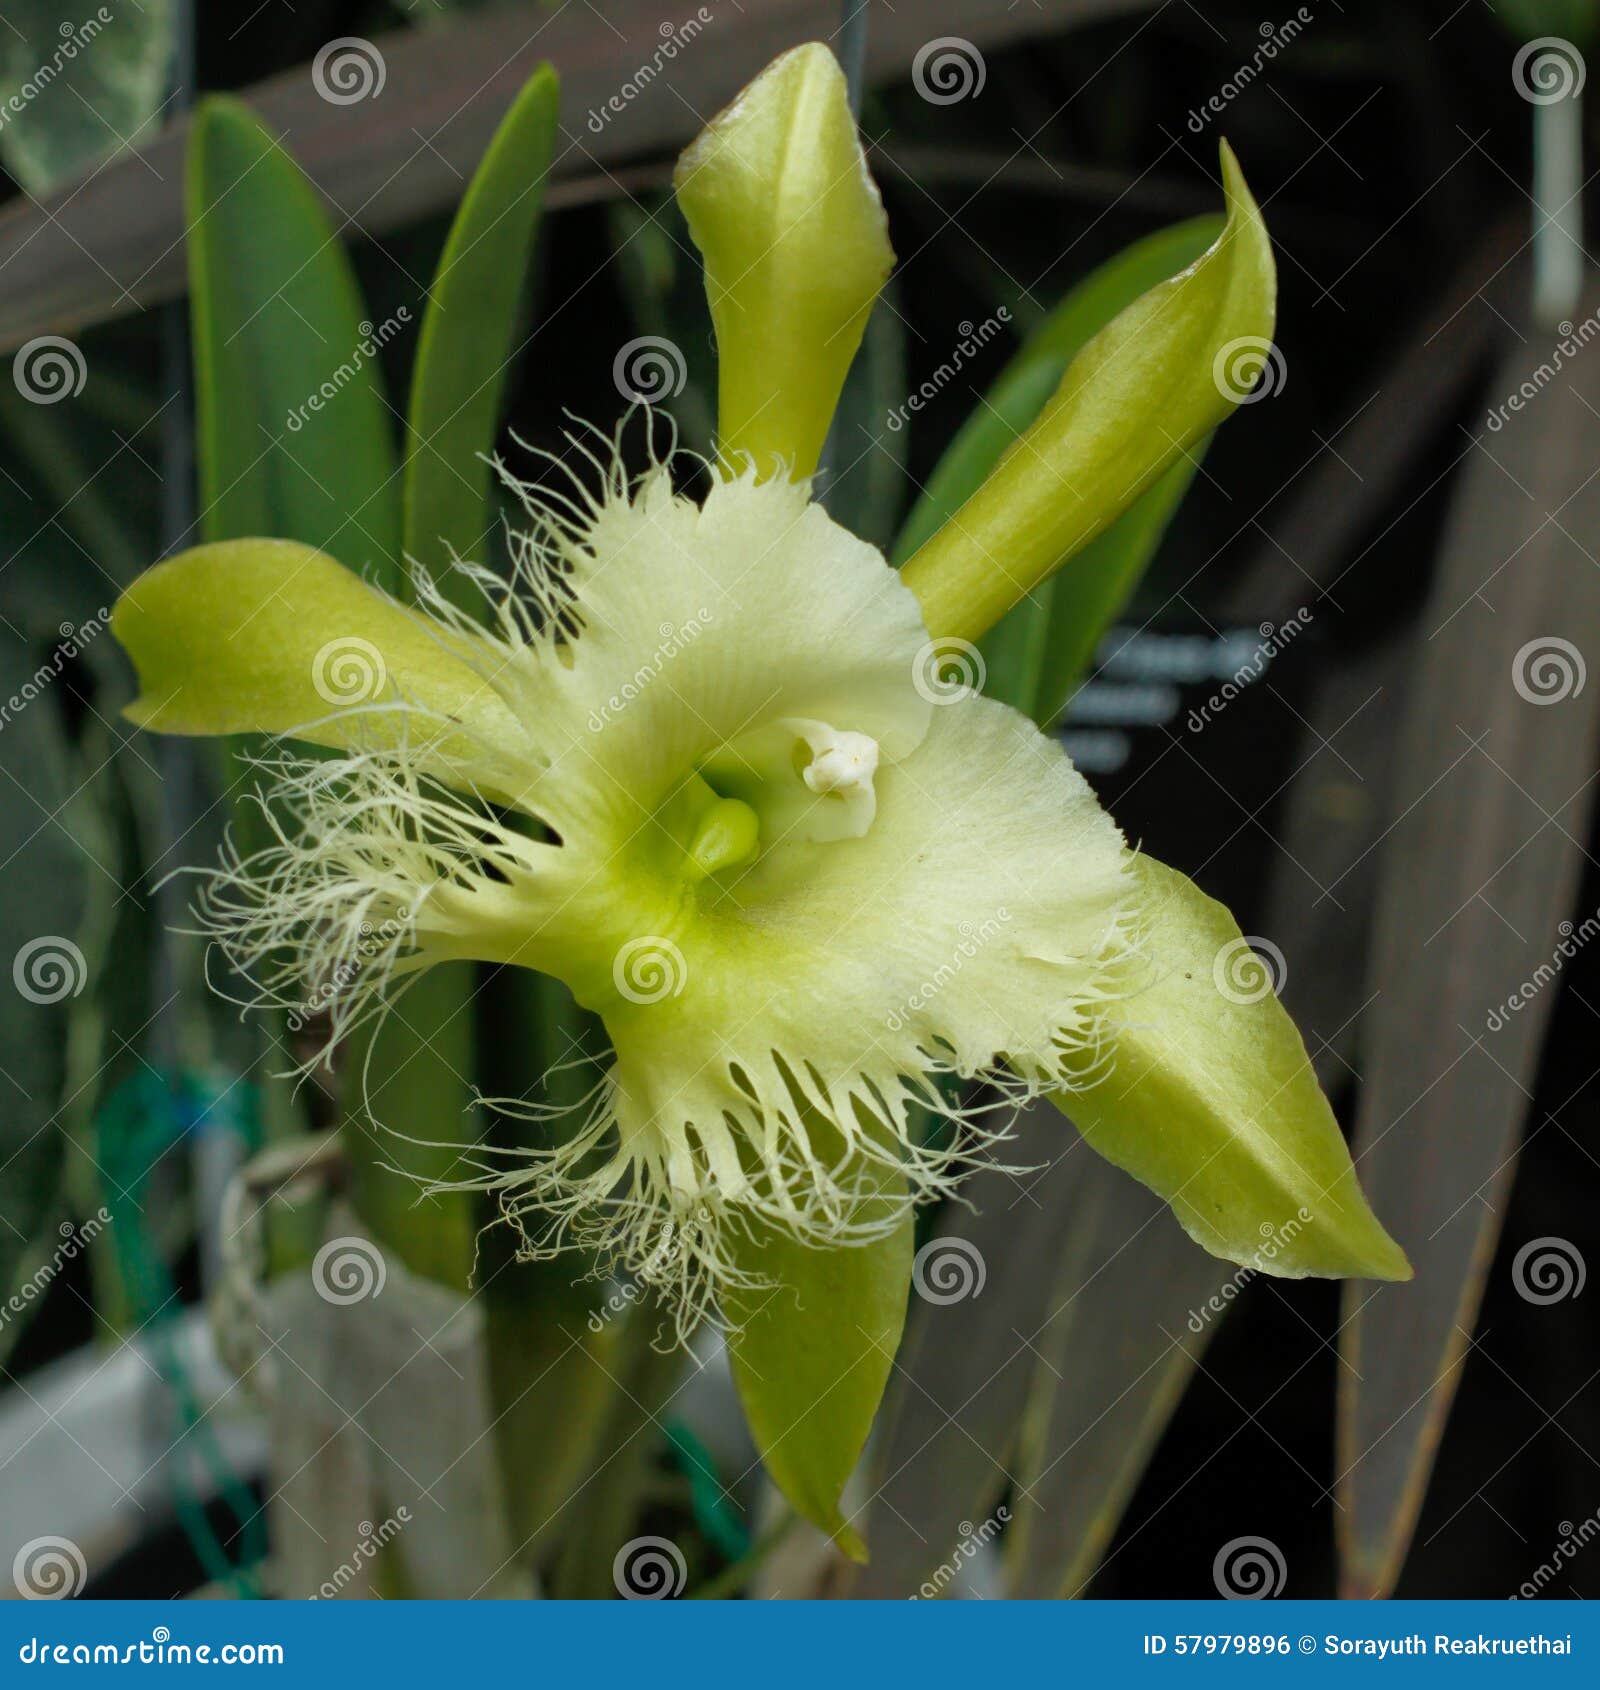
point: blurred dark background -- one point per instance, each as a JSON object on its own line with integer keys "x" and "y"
{"x": 1392, "y": 154}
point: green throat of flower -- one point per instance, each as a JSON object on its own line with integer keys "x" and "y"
{"x": 794, "y": 782}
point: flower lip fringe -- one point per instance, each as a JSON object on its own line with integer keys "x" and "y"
{"x": 798, "y": 884}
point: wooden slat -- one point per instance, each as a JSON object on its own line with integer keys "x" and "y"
{"x": 1491, "y": 806}
{"x": 949, "y": 1424}
{"x": 1128, "y": 1321}
{"x": 1318, "y": 908}
{"x": 1314, "y": 528}
{"x": 114, "y": 243}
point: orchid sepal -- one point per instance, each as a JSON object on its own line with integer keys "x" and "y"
{"x": 780, "y": 202}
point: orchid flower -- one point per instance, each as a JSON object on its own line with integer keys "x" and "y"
{"x": 705, "y": 763}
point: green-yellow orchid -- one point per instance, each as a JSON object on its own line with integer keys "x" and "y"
{"x": 703, "y": 762}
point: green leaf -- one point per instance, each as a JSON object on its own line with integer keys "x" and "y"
{"x": 1085, "y": 600}
{"x": 555, "y": 1326}
{"x": 812, "y": 1350}
{"x": 1212, "y": 1102}
{"x": 46, "y": 861}
{"x": 78, "y": 84}
{"x": 1139, "y": 397}
{"x": 293, "y": 432}
{"x": 294, "y": 442}
{"x": 468, "y": 327}
{"x": 1036, "y": 654}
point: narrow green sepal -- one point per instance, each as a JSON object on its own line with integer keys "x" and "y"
{"x": 812, "y": 1350}
{"x": 1138, "y": 398}
{"x": 269, "y": 636}
{"x": 779, "y": 201}
{"x": 1212, "y": 1102}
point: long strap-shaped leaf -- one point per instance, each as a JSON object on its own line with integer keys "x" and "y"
{"x": 294, "y": 434}
{"x": 468, "y": 336}
{"x": 294, "y": 441}
{"x": 417, "y": 1070}
{"x": 1493, "y": 798}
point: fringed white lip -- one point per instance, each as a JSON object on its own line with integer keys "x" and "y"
{"x": 794, "y": 889}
